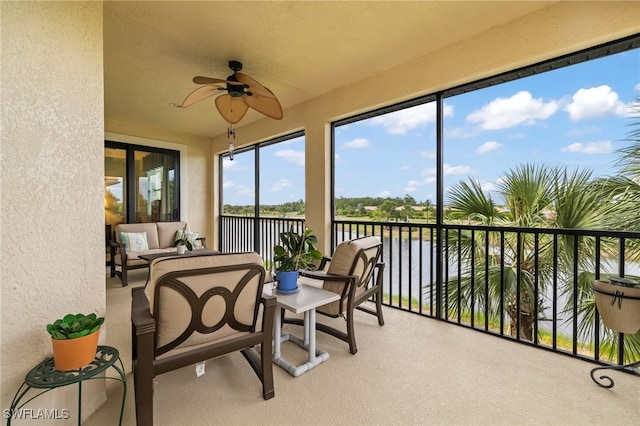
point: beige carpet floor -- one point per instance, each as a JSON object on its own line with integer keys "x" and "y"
{"x": 412, "y": 371}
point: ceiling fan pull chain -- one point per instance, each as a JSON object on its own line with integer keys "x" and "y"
{"x": 231, "y": 136}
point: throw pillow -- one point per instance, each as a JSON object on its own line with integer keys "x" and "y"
{"x": 134, "y": 241}
{"x": 191, "y": 236}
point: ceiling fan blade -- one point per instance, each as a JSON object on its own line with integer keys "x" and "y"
{"x": 266, "y": 105}
{"x": 230, "y": 108}
{"x": 201, "y": 93}
{"x": 210, "y": 80}
{"x": 254, "y": 86}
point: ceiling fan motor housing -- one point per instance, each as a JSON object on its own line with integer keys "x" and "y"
{"x": 235, "y": 90}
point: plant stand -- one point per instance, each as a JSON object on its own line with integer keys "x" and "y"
{"x": 606, "y": 381}
{"x": 619, "y": 308}
{"x": 45, "y": 377}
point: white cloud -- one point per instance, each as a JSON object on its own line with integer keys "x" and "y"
{"x": 637, "y": 87}
{"x": 292, "y": 156}
{"x": 238, "y": 189}
{"x": 449, "y": 170}
{"x": 520, "y": 109}
{"x": 456, "y": 170}
{"x": 583, "y": 131}
{"x": 412, "y": 186}
{"x": 488, "y": 147}
{"x": 428, "y": 154}
{"x": 383, "y": 194}
{"x": 595, "y": 103}
{"x": 604, "y": 147}
{"x": 227, "y": 164}
{"x": 489, "y": 186}
{"x": 280, "y": 185}
{"x": 399, "y": 122}
{"x": 459, "y": 132}
{"x": 356, "y": 143}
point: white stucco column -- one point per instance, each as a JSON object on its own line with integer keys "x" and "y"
{"x": 318, "y": 181}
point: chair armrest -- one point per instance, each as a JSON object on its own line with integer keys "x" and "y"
{"x": 321, "y": 275}
{"x": 203, "y": 240}
{"x": 269, "y": 302}
{"x": 323, "y": 263}
{"x": 141, "y": 318}
{"x": 117, "y": 247}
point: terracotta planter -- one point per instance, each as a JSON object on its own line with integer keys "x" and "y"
{"x": 73, "y": 354}
{"x": 618, "y": 306}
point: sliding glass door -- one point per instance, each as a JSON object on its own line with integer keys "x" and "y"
{"x": 155, "y": 186}
{"x": 141, "y": 184}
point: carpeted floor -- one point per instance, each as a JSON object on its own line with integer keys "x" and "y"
{"x": 412, "y": 371}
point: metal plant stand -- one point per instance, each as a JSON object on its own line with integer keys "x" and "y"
{"x": 606, "y": 381}
{"x": 45, "y": 376}
{"x": 609, "y": 301}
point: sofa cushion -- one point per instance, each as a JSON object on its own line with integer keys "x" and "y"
{"x": 167, "y": 232}
{"x": 134, "y": 241}
{"x": 149, "y": 228}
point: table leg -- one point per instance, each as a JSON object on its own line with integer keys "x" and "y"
{"x": 79, "y": 403}
{"x": 277, "y": 324}
{"x": 306, "y": 327}
{"x": 310, "y": 334}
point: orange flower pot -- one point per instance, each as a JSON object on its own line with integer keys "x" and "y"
{"x": 72, "y": 354}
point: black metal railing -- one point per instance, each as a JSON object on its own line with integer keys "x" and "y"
{"x": 531, "y": 285}
{"x": 237, "y": 234}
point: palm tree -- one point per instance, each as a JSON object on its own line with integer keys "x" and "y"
{"x": 535, "y": 196}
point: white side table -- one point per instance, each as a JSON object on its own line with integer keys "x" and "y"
{"x": 305, "y": 300}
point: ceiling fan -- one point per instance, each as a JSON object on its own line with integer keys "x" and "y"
{"x": 242, "y": 92}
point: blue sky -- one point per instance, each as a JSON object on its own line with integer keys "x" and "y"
{"x": 576, "y": 116}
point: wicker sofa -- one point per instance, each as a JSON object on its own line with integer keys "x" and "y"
{"x": 159, "y": 236}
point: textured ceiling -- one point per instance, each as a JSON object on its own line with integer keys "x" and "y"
{"x": 299, "y": 50}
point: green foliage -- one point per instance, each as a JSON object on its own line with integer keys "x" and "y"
{"x": 74, "y": 326}
{"x": 297, "y": 251}
{"x": 184, "y": 240}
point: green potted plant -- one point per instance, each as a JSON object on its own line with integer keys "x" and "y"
{"x": 296, "y": 251}
{"x": 74, "y": 339}
{"x": 183, "y": 241}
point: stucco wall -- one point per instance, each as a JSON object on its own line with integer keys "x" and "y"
{"x": 52, "y": 156}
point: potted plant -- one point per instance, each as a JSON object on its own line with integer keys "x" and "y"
{"x": 183, "y": 241}
{"x": 74, "y": 339}
{"x": 296, "y": 251}
{"x": 618, "y": 303}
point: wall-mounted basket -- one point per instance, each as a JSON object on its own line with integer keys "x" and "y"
{"x": 618, "y": 304}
